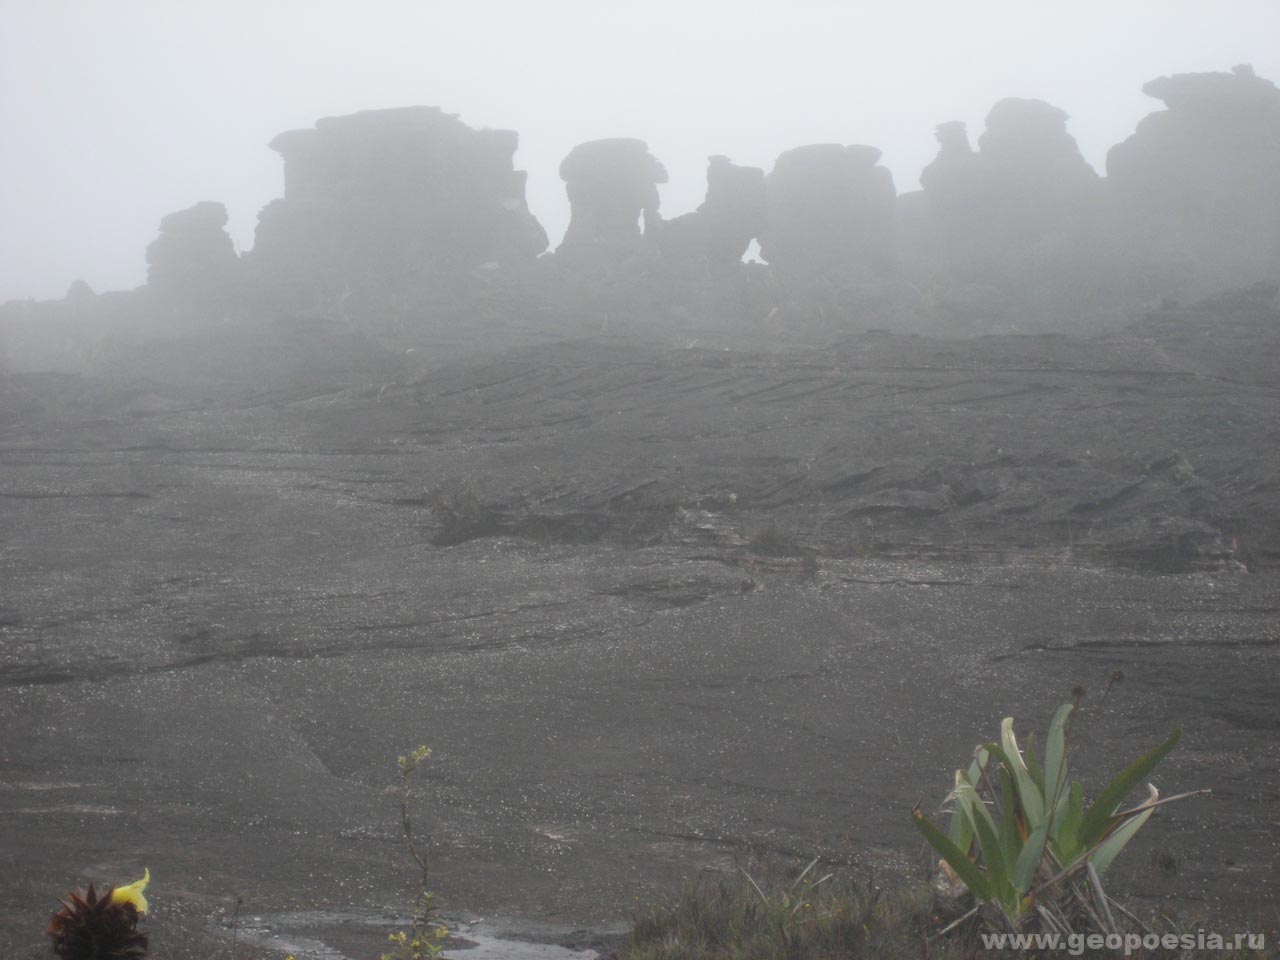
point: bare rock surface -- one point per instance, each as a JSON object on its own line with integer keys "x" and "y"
{"x": 657, "y": 609}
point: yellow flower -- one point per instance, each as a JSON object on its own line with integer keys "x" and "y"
{"x": 133, "y": 892}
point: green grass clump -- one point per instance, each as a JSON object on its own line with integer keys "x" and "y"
{"x": 768, "y": 915}
{"x": 764, "y": 916}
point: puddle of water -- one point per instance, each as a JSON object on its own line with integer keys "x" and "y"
{"x": 296, "y": 933}
{"x": 496, "y": 948}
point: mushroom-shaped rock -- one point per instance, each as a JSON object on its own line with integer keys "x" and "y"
{"x": 611, "y": 185}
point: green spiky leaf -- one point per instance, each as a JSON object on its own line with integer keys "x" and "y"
{"x": 1055, "y": 757}
{"x": 1108, "y": 850}
{"x": 1098, "y": 818}
{"x": 964, "y": 868}
{"x": 1031, "y": 798}
{"x": 1024, "y": 871}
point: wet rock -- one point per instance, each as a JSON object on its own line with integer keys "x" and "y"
{"x": 714, "y": 238}
{"x": 385, "y": 203}
{"x": 611, "y": 185}
{"x": 830, "y": 211}
{"x": 194, "y": 258}
{"x": 1199, "y": 182}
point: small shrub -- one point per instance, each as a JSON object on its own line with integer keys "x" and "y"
{"x": 425, "y": 938}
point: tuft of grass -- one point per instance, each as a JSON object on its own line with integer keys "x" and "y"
{"x": 773, "y": 541}
{"x": 767, "y": 914}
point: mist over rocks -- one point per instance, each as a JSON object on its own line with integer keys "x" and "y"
{"x": 385, "y": 201}
{"x": 80, "y": 294}
{"x": 1025, "y": 178}
{"x": 830, "y": 212}
{"x": 612, "y": 186}
{"x": 1010, "y": 231}
{"x": 714, "y": 238}
{"x": 194, "y": 256}
{"x": 1040, "y": 182}
{"x": 1198, "y": 183}
{"x": 634, "y": 498}
{"x": 408, "y": 218}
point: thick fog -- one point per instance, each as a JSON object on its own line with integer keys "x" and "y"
{"x": 116, "y": 114}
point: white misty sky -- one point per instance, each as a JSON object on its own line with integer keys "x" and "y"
{"x": 116, "y": 112}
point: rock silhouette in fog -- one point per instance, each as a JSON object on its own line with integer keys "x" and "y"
{"x": 193, "y": 257}
{"x": 1008, "y": 233}
{"x": 1199, "y": 182}
{"x": 80, "y": 294}
{"x": 400, "y": 213}
{"x": 830, "y": 210}
{"x": 1026, "y": 183}
{"x": 383, "y": 202}
{"x": 713, "y": 239}
{"x": 612, "y": 185}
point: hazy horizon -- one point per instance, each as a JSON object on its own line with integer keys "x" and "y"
{"x": 119, "y": 114}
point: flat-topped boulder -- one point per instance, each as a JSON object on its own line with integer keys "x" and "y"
{"x": 830, "y": 209}
{"x": 383, "y": 201}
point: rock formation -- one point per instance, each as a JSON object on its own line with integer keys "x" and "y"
{"x": 830, "y": 209}
{"x": 611, "y": 185}
{"x": 411, "y": 208}
{"x": 387, "y": 201}
{"x": 713, "y": 239}
{"x": 1014, "y": 234}
{"x": 193, "y": 257}
{"x": 1027, "y": 182}
{"x": 1199, "y": 182}
{"x": 80, "y": 294}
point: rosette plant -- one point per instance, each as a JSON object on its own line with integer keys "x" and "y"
{"x": 1021, "y": 833}
{"x": 101, "y": 926}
